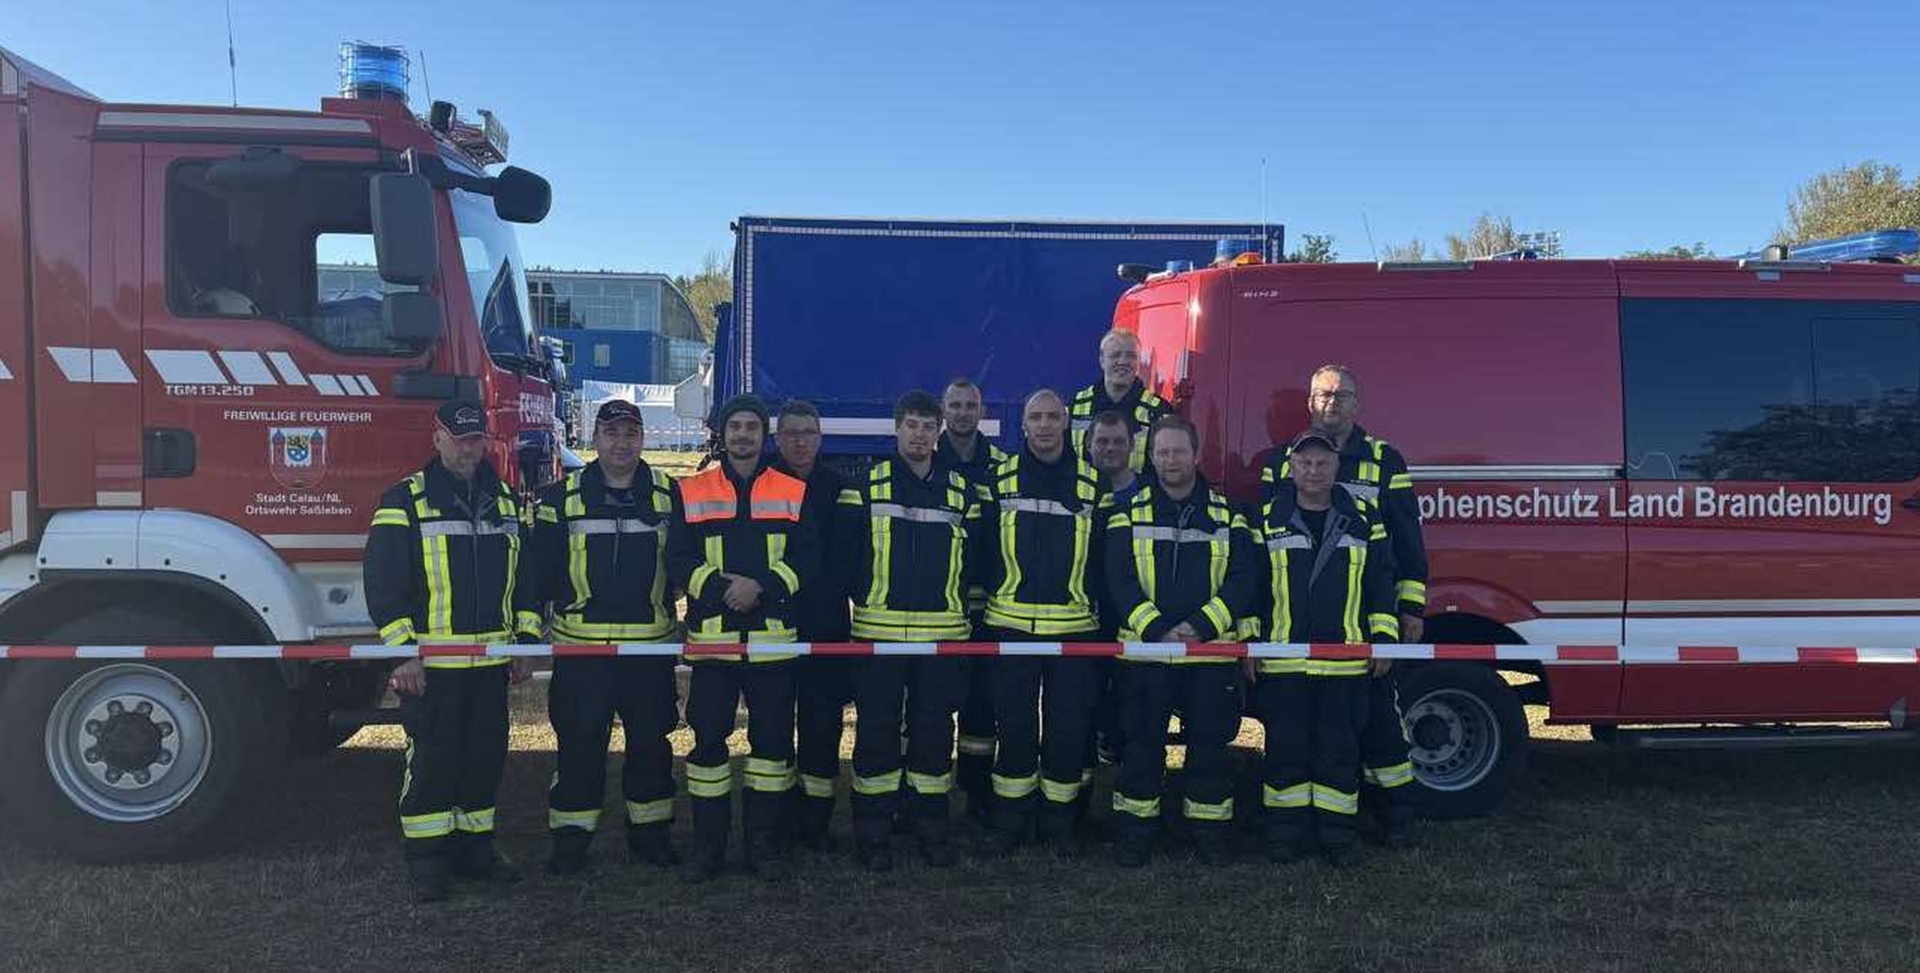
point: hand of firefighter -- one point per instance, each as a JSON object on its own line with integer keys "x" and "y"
{"x": 520, "y": 670}
{"x": 1379, "y": 667}
{"x": 743, "y": 593}
{"x": 1412, "y": 629}
{"x": 1182, "y": 632}
{"x": 409, "y": 679}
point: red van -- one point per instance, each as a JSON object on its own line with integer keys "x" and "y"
{"x": 1641, "y": 453}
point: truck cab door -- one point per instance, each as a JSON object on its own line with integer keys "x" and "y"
{"x": 275, "y": 399}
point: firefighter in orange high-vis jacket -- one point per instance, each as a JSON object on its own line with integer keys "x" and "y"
{"x": 740, "y": 548}
{"x": 439, "y": 568}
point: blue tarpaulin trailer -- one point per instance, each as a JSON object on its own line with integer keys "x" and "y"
{"x": 850, "y": 313}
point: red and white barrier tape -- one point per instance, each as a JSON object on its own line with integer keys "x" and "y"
{"x": 1546, "y": 654}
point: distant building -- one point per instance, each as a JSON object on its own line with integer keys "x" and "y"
{"x": 625, "y": 328}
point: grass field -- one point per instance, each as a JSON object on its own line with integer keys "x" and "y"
{"x": 1605, "y": 862}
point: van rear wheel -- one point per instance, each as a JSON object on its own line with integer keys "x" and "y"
{"x": 1467, "y": 734}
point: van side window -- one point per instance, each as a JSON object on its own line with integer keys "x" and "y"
{"x": 257, "y": 252}
{"x": 1771, "y": 390}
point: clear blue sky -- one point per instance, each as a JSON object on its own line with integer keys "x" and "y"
{"x": 1624, "y": 125}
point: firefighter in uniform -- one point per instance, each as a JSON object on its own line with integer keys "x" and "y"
{"x": 1110, "y": 450}
{"x": 906, "y": 530}
{"x": 1375, "y": 473}
{"x": 823, "y": 684}
{"x": 440, "y": 566}
{"x": 741, "y": 549}
{"x": 1181, "y": 567}
{"x": 964, "y": 449}
{"x": 1041, "y": 556}
{"x": 1119, "y": 390}
{"x": 597, "y": 561}
{"x": 1330, "y": 581}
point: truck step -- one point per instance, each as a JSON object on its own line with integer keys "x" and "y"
{"x": 1762, "y": 738}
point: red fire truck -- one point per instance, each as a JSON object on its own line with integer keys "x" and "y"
{"x": 194, "y": 424}
{"x": 1717, "y": 457}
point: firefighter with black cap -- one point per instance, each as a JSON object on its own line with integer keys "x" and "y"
{"x": 1330, "y": 581}
{"x": 741, "y": 548}
{"x": 1375, "y": 473}
{"x": 440, "y": 566}
{"x": 907, "y": 532}
{"x": 1042, "y": 566}
{"x": 1181, "y": 567}
{"x": 597, "y": 563}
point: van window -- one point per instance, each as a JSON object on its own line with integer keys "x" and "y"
{"x": 1771, "y": 390}
{"x": 261, "y": 252}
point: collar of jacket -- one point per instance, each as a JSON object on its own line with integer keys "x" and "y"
{"x": 1356, "y": 444}
{"x": 444, "y": 490}
{"x": 1286, "y": 501}
{"x": 593, "y": 484}
{"x": 1201, "y": 497}
{"x": 1123, "y": 404}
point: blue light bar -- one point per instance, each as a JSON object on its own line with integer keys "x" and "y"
{"x": 1875, "y": 245}
{"x": 373, "y": 72}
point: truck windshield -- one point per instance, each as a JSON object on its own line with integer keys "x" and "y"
{"x": 496, "y": 276}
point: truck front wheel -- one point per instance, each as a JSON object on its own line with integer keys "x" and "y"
{"x": 1468, "y": 737}
{"x": 137, "y": 759}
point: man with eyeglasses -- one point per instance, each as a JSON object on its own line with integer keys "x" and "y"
{"x": 1375, "y": 474}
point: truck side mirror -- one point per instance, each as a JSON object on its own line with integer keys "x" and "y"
{"x": 520, "y": 196}
{"x": 410, "y": 317}
{"x": 566, "y": 352}
{"x": 406, "y": 241}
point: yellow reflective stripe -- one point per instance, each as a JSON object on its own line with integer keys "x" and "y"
{"x": 1335, "y": 800}
{"x": 709, "y": 781}
{"x": 529, "y": 623}
{"x": 882, "y": 550}
{"x": 1143, "y": 615}
{"x": 1298, "y": 795}
{"x": 1072, "y": 622}
{"x": 1143, "y": 566}
{"x": 435, "y": 825}
{"x": 886, "y": 783}
{"x": 1396, "y": 775}
{"x": 650, "y": 812}
{"x": 584, "y": 820}
{"x": 817, "y": 786}
{"x": 433, "y": 561}
{"x": 397, "y": 632}
{"x": 478, "y": 821}
{"x": 1335, "y": 667}
{"x": 1283, "y": 667}
{"x": 1282, "y": 627}
{"x": 956, "y": 564}
{"x": 883, "y": 625}
{"x": 1400, "y": 481}
{"x": 714, "y": 552}
{"x": 697, "y": 581}
{"x": 577, "y": 568}
{"x": 1077, "y": 580}
{"x": 1350, "y": 614}
{"x": 1413, "y": 591}
{"x": 1198, "y": 811}
{"x": 770, "y": 776}
{"x": 1149, "y": 809}
{"x": 976, "y": 746}
{"x": 1014, "y": 788}
{"x": 1217, "y": 613}
{"x": 1059, "y": 792}
{"x": 1384, "y": 625}
{"x": 571, "y": 628}
{"x": 776, "y": 562}
{"x": 1010, "y": 567}
{"x": 545, "y": 514}
{"x": 389, "y": 517}
{"x": 930, "y": 784}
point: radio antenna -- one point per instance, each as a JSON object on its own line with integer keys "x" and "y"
{"x": 233, "y": 80}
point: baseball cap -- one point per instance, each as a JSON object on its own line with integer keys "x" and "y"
{"x": 1313, "y": 438}
{"x": 461, "y": 419}
{"x": 614, "y": 410}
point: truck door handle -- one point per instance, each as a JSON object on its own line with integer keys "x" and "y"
{"x": 1911, "y": 503}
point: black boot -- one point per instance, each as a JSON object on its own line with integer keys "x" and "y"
{"x": 874, "y": 856}
{"x": 569, "y": 851}
{"x": 814, "y": 823}
{"x": 651, "y": 844}
{"x": 1344, "y": 854}
{"x": 934, "y": 846}
{"x": 430, "y": 878}
{"x": 764, "y": 858}
{"x": 1212, "y": 843}
{"x": 475, "y": 858}
{"x": 1133, "y": 849}
{"x": 1059, "y": 829}
{"x": 708, "y": 861}
{"x": 1285, "y": 845}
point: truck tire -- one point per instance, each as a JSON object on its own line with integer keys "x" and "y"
{"x": 134, "y": 760}
{"x": 1468, "y": 735}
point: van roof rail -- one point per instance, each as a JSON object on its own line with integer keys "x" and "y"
{"x": 1389, "y": 266}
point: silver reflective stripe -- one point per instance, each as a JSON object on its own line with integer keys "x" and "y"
{"x": 461, "y": 528}
{"x": 1081, "y": 425}
{"x": 788, "y": 507}
{"x": 1362, "y": 491}
{"x": 924, "y": 515}
{"x": 1050, "y": 507}
{"x": 625, "y": 525}
{"x": 1348, "y": 540}
{"x": 1182, "y": 535}
{"x": 1289, "y": 542}
{"x": 702, "y": 508}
